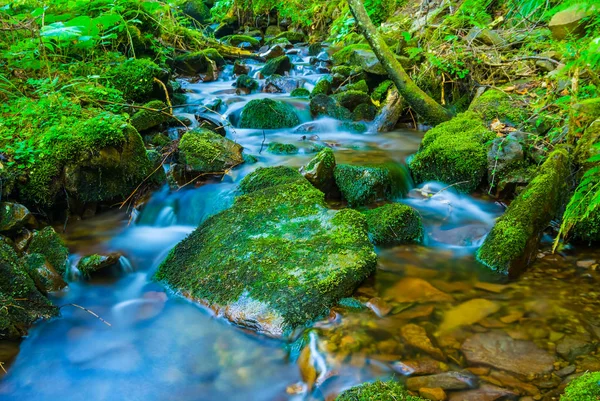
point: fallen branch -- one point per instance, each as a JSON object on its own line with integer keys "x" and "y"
{"x": 88, "y": 311}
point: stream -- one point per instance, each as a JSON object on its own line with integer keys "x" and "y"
{"x": 160, "y": 346}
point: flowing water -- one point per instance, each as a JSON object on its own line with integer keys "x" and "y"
{"x": 159, "y": 346}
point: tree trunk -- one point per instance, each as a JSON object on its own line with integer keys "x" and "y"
{"x": 431, "y": 111}
{"x": 390, "y": 112}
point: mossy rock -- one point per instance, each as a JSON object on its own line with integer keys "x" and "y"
{"x": 364, "y": 112}
{"x": 494, "y": 103}
{"x": 13, "y": 217}
{"x": 197, "y": 10}
{"x": 204, "y": 151}
{"x": 45, "y": 277}
{"x": 322, "y": 87}
{"x": 194, "y": 63}
{"x": 360, "y": 86}
{"x": 513, "y": 242}
{"x": 454, "y": 152}
{"x": 135, "y": 78}
{"x": 236, "y": 40}
{"x": 320, "y": 171}
{"x": 583, "y": 388}
{"x": 362, "y": 185}
{"x": 48, "y": 243}
{"x": 291, "y": 36}
{"x": 380, "y": 93}
{"x": 394, "y": 223}
{"x": 300, "y": 92}
{"x": 351, "y": 99}
{"x": 246, "y": 84}
{"x": 278, "y": 148}
{"x": 21, "y": 303}
{"x": 343, "y": 55}
{"x": 145, "y": 119}
{"x": 277, "y": 65}
{"x": 378, "y": 391}
{"x": 214, "y": 55}
{"x": 275, "y": 261}
{"x": 323, "y": 105}
{"x": 91, "y": 264}
{"x": 266, "y": 177}
{"x": 268, "y": 114}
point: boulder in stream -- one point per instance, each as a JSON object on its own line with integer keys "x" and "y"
{"x": 323, "y": 105}
{"x": 320, "y": 171}
{"x": 268, "y": 114}
{"x": 276, "y": 260}
{"x": 277, "y": 65}
{"x": 48, "y": 243}
{"x": 203, "y": 151}
{"x": 394, "y": 223}
{"x": 91, "y": 264}
{"x": 145, "y": 119}
{"x": 361, "y": 185}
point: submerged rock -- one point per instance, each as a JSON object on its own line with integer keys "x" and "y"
{"x": 412, "y": 289}
{"x": 446, "y": 381}
{"x": 486, "y": 392}
{"x": 268, "y": 114}
{"x": 498, "y": 350}
{"x": 204, "y": 151}
{"x": 394, "y": 223}
{"x": 276, "y": 260}
{"x": 278, "y": 148}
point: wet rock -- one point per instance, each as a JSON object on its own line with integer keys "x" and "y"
{"x": 278, "y": 65}
{"x": 291, "y": 36}
{"x": 268, "y": 114}
{"x": 571, "y": 21}
{"x": 446, "y": 381}
{"x": 416, "y": 337}
{"x": 412, "y": 289}
{"x": 379, "y": 306}
{"x": 319, "y": 171}
{"x": 504, "y": 155}
{"x": 23, "y": 240}
{"x": 300, "y": 92}
{"x": 275, "y": 260}
{"x": 278, "y": 148}
{"x": 508, "y": 381}
{"x": 368, "y": 61}
{"x": 468, "y": 313}
{"x": 145, "y": 119}
{"x": 394, "y": 223}
{"x": 573, "y": 346}
{"x": 416, "y": 312}
{"x": 585, "y": 264}
{"x": 433, "y": 394}
{"x": 516, "y": 356}
{"x": 352, "y": 98}
{"x": 321, "y": 104}
{"x": 273, "y": 52}
{"x": 566, "y": 371}
{"x": 361, "y": 185}
{"x": 48, "y": 243}
{"x": 193, "y": 63}
{"x": 13, "y": 217}
{"x": 588, "y": 363}
{"x": 91, "y": 264}
{"x": 491, "y": 287}
{"x": 278, "y": 84}
{"x": 322, "y": 87}
{"x": 240, "y": 68}
{"x": 486, "y": 392}
{"x": 203, "y": 151}
{"x": 245, "y": 84}
{"x": 43, "y": 274}
{"x": 419, "y": 367}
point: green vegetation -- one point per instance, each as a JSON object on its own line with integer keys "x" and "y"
{"x": 361, "y": 185}
{"x": 203, "y": 151}
{"x": 47, "y": 242}
{"x": 394, "y": 223}
{"x": 583, "y": 388}
{"x": 282, "y": 148}
{"x": 268, "y": 114}
{"x": 378, "y": 391}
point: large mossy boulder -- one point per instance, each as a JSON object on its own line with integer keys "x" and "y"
{"x": 45, "y": 277}
{"x": 394, "y": 223}
{"x": 48, "y": 243}
{"x": 322, "y": 87}
{"x": 323, "y": 105}
{"x": 454, "y": 152}
{"x": 265, "y": 177}
{"x": 378, "y": 391}
{"x": 21, "y": 303}
{"x": 194, "y": 63}
{"x": 362, "y": 185}
{"x": 291, "y": 36}
{"x": 268, "y": 114}
{"x": 351, "y": 99}
{"x": 583, "y": 388}
{"x": 276, "y": 260}
{"x": 152, "y": 115}
{"x": 513, "y": 242}
{"x": 136, "y": 79}
{"x": 204, "y": 151}
{"x": 277, "y": 65}
{"x": 496, "y": 104}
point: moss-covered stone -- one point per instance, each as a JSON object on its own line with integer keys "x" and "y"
{"x": 323, "y": 86}
{"x": 361, "y": 185}
{"x": 381, "y": 91}
{"x": 204, "y": 151}
{"x": 454, "y": 152}
{"x": 214, "y": 55}
{"x": 378, "y": 391}
{"x": 197, "y": 10}
{"x": 494, "y": 103}
{"x": 268, "y": 177}
{"x": 323, "y": 105}
{"x": 584, "y": 388}
{"x": 145, "y": 119}
{"x": 300, "y": 92}
{"x": 277, "y": 65}
{"x": 342, "y": 56}
{"x": 364, "y": 112}
{"x": 135, "y": 78}
{"x": 45, "y": 277}
{"x": 237, "y": 40}
{"x": 21, "y": 303}
{"x": 513, "y": 242}
{"x": 91, "y": 264}
{"x": 360, "y": 86}
{"x": 48, "y": 243}
{"x": 246, "y": 84}
{"x": 13, "y": 217}
{"x": 291, "y": 36}
{"x": 193, "y": 63}
{"x": 278, "y": 148}
{"x": 268, "y": 114}
{"x": 394, "y": 223}
{"x": 320, "y": 171}
{"x": 275, "y": 261}
{"x": 351, "y": 99}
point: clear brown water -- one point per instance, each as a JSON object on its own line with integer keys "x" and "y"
{"x": 162, "y": 347}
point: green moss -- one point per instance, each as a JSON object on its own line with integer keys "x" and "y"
{"x": 268, "y": 114}
{"x": 364, "y": 112}
{"x": 282, "y": 148}
{"x": 454, "y": 152}
{"x": 342, "y": 56}
{"x": 351, "y": 99}
{"x": 394, "y": 223}
{"x": 493, "y": 103}
{"x": 381, "y": 91}
{"x": 236, "y": 40}
{"x": 199, "y": 62}
{"x": 508, "y": 248}
{"x": 268, "y": 177}
{"x": 246, "y": 82}
{"x": 290, "y": 36}
{"x": 214, "y": 55}
{"x": 300, "y": 92}
{"x": 203, "y": 151}
{"x": 360, "y": 86}
{"x": 328, "y": 106}
{"x": 97, "y": 95}
{"x": 276, "y": 260}
{"x": 323, "y": 86}
{"x": 145, "y": 119}
{"x": 361, "y": 185}
{"x": 584, "y": 388}
{"x": 378, "y": 391}
{"x": 197, "y": 10}
{"x": 48, "y": 243}
{"x": 278, "y": 65}
{"x": 135, "y": 78}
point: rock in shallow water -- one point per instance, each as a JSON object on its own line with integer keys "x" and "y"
{"x": 500, "y": 351}
{"x": 276, "y": 260}
{"x": 446, "y": 381}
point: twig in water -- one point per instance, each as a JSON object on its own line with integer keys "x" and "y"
{"x": 263, "y": 142}
{"x": 449, "y": 186}
{"x": 88, "y": 311}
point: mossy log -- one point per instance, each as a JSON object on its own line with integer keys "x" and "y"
{"x": 513, "y": 242}
{"x": 423, "y": 104}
